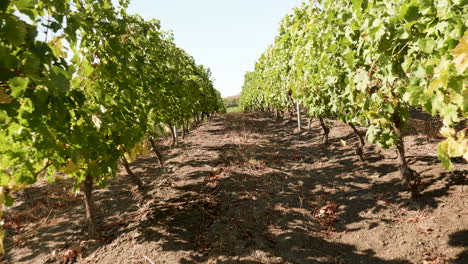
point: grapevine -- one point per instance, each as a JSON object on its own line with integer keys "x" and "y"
{"x": 83, "y": 85}
{"x": 366, "y": 63}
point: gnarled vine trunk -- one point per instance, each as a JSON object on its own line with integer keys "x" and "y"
{"x": 157, "y": 152}
{"x": 174, "y": 139}
{"x": 410, "y": 177}
{"x": 183, "y": 130}
{"x": 326, "y": 131}
{"x": 135, "y": 179}
{"x": 187, "y": 126}
{"x": 360, "y": 148}
{"x": 87, "y": 189}
{"x": 277, "y": 115}
{"x": 299, "y": 125}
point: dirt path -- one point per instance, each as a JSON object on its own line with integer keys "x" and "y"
{"x": 246, "y": 189}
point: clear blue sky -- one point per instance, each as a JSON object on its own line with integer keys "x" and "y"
{"x": 225, "y": 35}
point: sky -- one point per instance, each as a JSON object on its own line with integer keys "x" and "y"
{"x": 227, "y": 36}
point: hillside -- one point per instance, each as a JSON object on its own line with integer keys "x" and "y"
{"x": 231, "y": 101}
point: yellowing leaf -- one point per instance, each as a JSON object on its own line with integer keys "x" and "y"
{"x": 441, "y": 77}
{"x": 453, "y": 149}
{"x": 443, "y": 155}
{"x": 4, "y": 97}
{"x": 71, "y": 167}
{"x": 139, "y": 150}
{"x": 450, "y": 114}
{"x": 447, "y": 132}
{"x": 57, "y": 47}
{"x": 460, "y": 54}
{"x": 465, "y": 156}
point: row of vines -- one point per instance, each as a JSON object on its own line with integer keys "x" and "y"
{"x": 367, "y": 62}
{"x": 83, "y": 85}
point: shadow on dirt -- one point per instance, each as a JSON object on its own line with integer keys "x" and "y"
{"x": 236, "y": 217}
{"x": 460, "y": 239}
{"x": 257, "y": 203}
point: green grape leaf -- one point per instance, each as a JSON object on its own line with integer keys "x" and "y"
{"x": 17, "y": 86}
{"x": 442, "y": 74}
{"x": 357, "y": 4}
{"x": 4, "y": 178}
{"x": 427, "y": 45}
{"x": 443, "y": 155}
{"x": 14, "y": 30}
{"x": 23, "y": 5}
{"x": 7, "y": 60}
{"x": 450, "y": 114}
{"x": 60, "y": 79}
{"x": 410, "y": 12}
